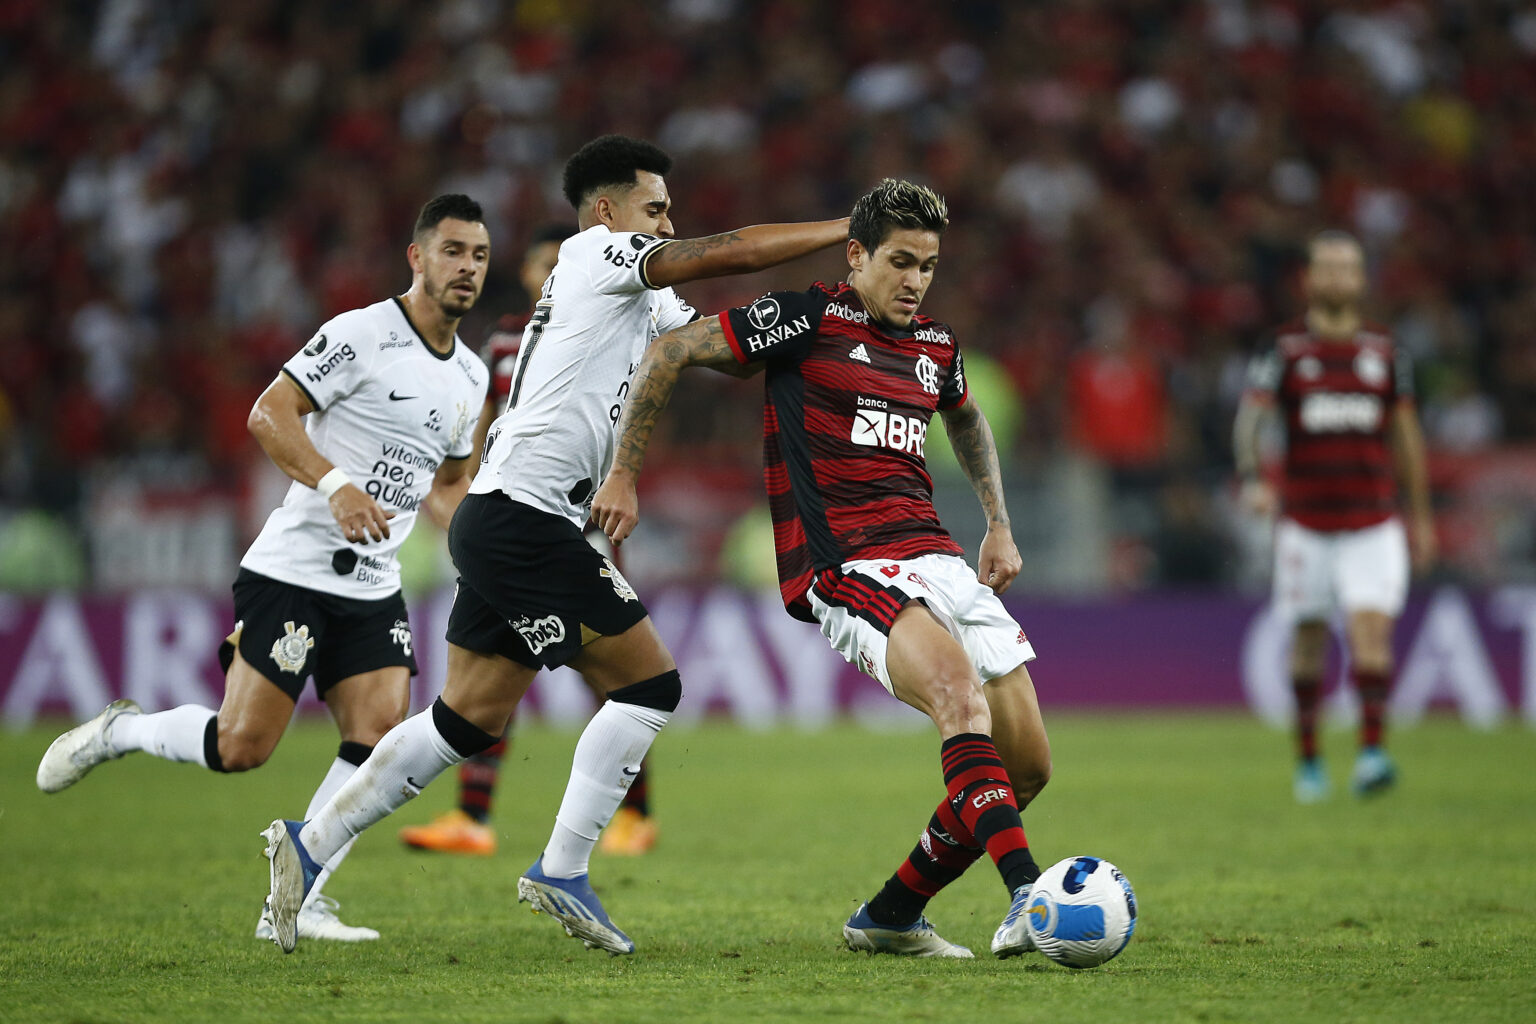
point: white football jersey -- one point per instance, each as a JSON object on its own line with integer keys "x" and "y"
{"x": 389, "y": 409}
{"x": 589, "y": 329}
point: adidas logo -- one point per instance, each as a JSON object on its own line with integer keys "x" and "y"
{"x": 859, "y": 353}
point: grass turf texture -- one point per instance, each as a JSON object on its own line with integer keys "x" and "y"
{"x": 133, "y": 896}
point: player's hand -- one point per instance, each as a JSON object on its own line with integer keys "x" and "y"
{"x": 616, "y": 507}
{"x": 1259, "y": 498}
{"x": 359, "y": 516}
{"x": 999, "y": 563}
{"x": 1422, "y": 543}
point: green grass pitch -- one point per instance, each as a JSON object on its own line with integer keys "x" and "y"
{"x": 133, "y": 896}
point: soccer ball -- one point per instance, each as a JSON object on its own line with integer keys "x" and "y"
{"x": 1081, "y": 912}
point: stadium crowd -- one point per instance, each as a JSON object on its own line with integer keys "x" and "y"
{"x": 187, "y": 189}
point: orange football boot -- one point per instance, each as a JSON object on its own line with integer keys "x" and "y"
{"x": 454, "y": 832}
{"x": 629, "y": 834}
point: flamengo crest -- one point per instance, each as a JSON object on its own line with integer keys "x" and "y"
{"x": 928, "y": 374}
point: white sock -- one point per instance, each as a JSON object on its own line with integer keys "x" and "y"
{"x": 607, "y": 759}
{"x": 175, "y": 735}
{"x": 409, "y": 756}
{"x": 339, "y": 773}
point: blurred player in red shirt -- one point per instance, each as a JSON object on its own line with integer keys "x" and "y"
{"x": 1344, "y": 393}
{"x": 466, "y": 828}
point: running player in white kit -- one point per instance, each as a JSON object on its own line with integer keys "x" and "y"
{"x": 532, "y": 592}
{"x": 392, "y": 398}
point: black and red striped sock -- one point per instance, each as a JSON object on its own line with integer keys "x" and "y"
{"x": 1373, "y": 688}
{"x": 638, "y": 796}
{"x": 942, "y": 854}
{"x": 1308, "y": 696}
{"x": 982, "y": 797}
{"x": 477, "y": 780}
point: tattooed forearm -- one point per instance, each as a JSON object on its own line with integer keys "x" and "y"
{"x": 971, "y": 438}
{"x": 699, "y": 343}
{"x": 693, "y": 248}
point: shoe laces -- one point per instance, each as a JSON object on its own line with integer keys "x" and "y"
{"x": 1016, "y": 908}
{"x": 324, "y": 906}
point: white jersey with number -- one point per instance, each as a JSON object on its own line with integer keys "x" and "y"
{"x": 589, "y": 329}
{"x": 389, "y": 409}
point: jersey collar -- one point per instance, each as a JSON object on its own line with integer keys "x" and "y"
{"x": 444, "y": 356}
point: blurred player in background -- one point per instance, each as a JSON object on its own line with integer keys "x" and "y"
{"x": 466, "y": 828}
{"x": 374, "y": 420}
{"x": 1344, "y": 393}
{"x": 532, "y": 593}
{"x": 854, "y": 377}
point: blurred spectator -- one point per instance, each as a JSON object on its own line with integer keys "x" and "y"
{"x": 188, "y": 189}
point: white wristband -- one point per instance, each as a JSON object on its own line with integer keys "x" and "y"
{"x": 332, "y": 482}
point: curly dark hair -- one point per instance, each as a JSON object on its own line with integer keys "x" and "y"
{"x": 610, "y": 160}
{"x": 896, "y": 204}
{"x": 453, "y": 205}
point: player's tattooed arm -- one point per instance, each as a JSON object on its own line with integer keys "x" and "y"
{"x": 970, "y": 435}
{"x": 741, "y": 251}
{"x": 615, "y": 508}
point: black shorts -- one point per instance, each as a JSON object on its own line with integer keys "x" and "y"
{"x": 530, "y": 586}
{"x": 288, "y": 633}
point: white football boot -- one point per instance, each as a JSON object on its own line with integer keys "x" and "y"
{"x": 70, "y": 757}
{"x": 317, "y": 920}
{"x": 862, "y": 933}
{"x": 1012, "y": 936}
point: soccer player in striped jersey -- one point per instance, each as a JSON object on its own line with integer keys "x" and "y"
{"x": 854, "y": 376}
{"x": 466, "y": 828}
{"x": 1344, "y": 394}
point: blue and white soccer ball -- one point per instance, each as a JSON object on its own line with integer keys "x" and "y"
{"x": 1081, "y": 912}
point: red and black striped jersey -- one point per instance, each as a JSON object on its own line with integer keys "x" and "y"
{"x": 1336, "y": 397}
{"x": 846, "y": 412}
{"x": 500, "y": 354}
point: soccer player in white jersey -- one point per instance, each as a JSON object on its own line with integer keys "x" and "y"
{"x": 532, "y": 593}
{"x": 374, "y": 420}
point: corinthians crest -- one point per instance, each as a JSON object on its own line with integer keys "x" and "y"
{"x": 460, "y": 425}
{"x": 620, "y": 584}
{"x": 291, "y": 650}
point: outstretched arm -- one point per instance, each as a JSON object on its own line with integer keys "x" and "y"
{"x": 741, "y": 251}
{"x": 615, "y": 508}
{"x": 971, "y": 437}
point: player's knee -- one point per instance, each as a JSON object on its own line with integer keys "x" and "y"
{"x": 1308, "y": 650}
{"x": 661, "y": 693}
{"x": 1030, "y": 780}
{"x": 368, "y": 729}
{"x": 1372, "y": 661}
{"x": 240, "y": 751}
{"x": 957, "y": 704}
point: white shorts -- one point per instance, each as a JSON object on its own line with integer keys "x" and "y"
{"x": 1356, "y": 570}
{"x": 856, "y": 612}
